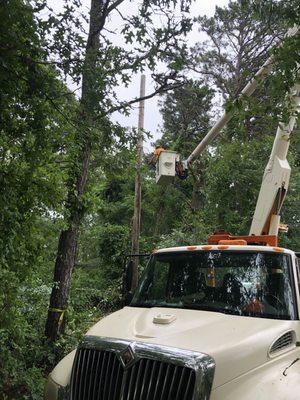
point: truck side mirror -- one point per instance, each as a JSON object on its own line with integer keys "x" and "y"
{"x": 129, "y": 274}
{"x": 127, "y": 294}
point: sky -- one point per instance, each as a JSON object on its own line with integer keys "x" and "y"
{"x": 153, "y": 120}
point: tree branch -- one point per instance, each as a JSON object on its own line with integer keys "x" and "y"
{"x": 161, "y": 89}
{"x": 114, "y": 6}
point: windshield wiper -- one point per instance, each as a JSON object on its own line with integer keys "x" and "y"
{"x": 204, "y": 307}
{"x": 142, "y": 305}
{"x": 201, "y": 307}
{"x": 152, "y": 305}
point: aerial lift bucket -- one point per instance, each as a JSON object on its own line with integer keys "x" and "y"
{"x": 166, "y": 167}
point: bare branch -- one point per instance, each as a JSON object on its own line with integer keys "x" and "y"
{"x": 161, "y": 89}
{"x": 114, "y": 6}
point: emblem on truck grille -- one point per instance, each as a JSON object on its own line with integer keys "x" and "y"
{"x": 127, "y": 357}
{"x": 109, "y": 368}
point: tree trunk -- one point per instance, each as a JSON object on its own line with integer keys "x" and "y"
{"x": 66, "y": 256}
{"x": 68, "y": 241}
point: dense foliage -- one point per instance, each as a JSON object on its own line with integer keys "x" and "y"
{"x": 44, "y": 130}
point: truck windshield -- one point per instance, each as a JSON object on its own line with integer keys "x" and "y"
{"x": 243, "y": 283}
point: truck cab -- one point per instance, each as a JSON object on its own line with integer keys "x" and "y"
{"x": 214, "y": 322}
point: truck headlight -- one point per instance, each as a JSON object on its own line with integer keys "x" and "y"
{"x": 57, "y": 386}
{"x": 51, "y": 389}
{"x": 54, "y": 391}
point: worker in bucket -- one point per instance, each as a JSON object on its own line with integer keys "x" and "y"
{"x": 156, "y": 154}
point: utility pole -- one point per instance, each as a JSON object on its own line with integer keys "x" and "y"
{"x": 136, "y": 221}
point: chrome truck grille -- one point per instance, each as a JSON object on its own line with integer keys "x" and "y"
{"x": 109, "y": 369}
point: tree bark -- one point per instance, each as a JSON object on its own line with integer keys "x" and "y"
{"x": 67, "y": 246}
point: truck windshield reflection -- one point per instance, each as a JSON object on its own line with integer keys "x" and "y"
{"x": 256, "y": 284}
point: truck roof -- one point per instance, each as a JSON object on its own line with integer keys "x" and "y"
{"x": 206, "y": 247}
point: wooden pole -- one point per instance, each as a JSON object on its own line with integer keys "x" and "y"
{"x": 136, "y": 221}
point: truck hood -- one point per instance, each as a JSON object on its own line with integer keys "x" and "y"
{"x": 237, "y": 344}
